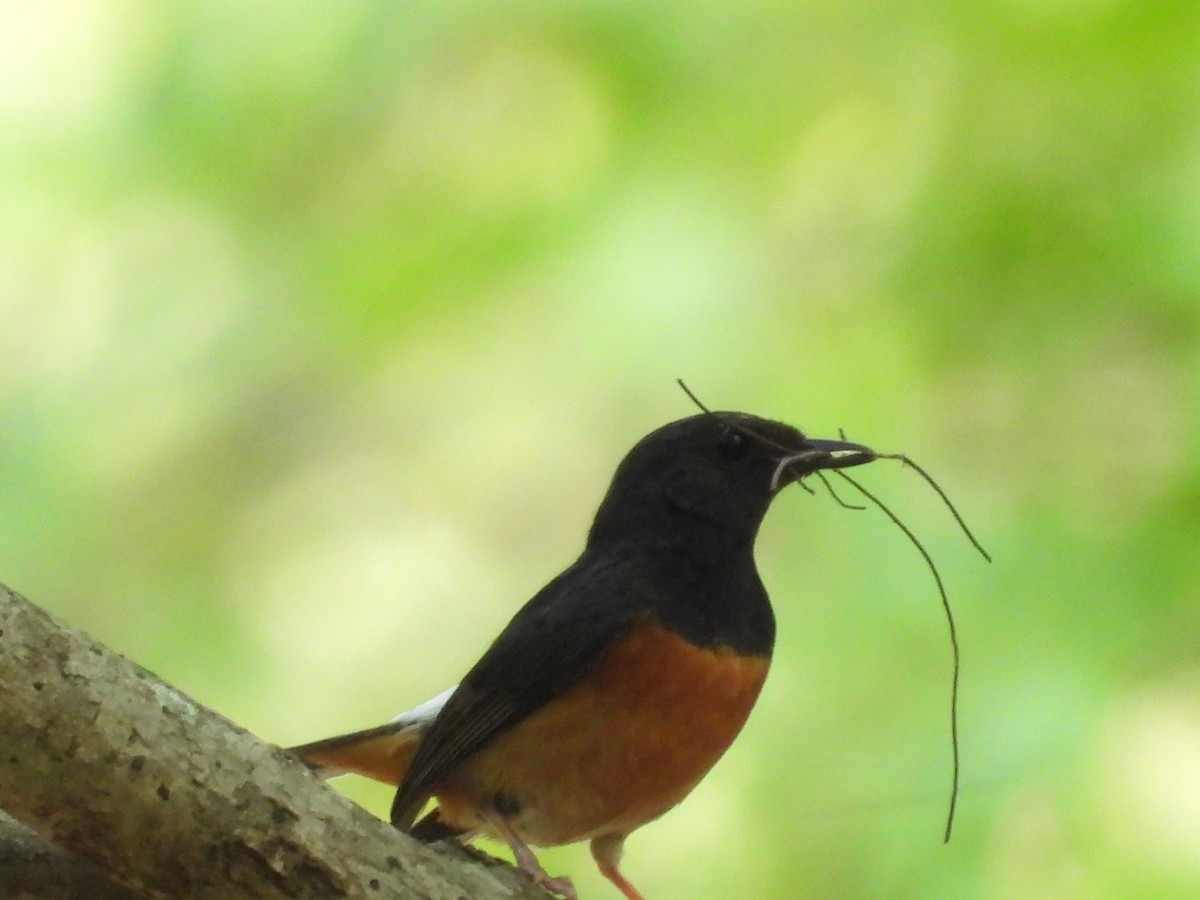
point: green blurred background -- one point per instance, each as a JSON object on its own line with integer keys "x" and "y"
{"x": 322, "y": 326}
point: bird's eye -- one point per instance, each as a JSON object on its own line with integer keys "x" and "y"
{"x": 732, "y": 444}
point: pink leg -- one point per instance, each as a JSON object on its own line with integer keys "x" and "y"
{"x": 528, "y": 863}
{"x": 606, "y": 850}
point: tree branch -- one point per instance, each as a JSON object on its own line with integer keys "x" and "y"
{"x": 169, "y": 799}
{"x": 33, "y": 867}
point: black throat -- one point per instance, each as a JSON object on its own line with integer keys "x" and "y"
{"x": 715, "y": 603}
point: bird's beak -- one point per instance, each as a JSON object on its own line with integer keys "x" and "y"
{"x": 816, "y": 454}
{"x": 835, "y": 454}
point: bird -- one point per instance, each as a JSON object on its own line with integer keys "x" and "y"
{"x": 615, "y": 689}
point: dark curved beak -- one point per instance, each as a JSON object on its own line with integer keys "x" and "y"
{"x": 816, "y": 454}
{"x": 834, "y": 454}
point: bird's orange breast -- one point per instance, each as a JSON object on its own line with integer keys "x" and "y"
{"x": 617, "y": 749}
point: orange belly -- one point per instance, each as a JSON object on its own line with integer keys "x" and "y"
{"x": 617, "y": 749}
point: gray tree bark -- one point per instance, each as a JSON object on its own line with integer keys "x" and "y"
{"x": 128, "y": 786}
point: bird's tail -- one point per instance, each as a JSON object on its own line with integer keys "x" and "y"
{"x": 382, "y": 753}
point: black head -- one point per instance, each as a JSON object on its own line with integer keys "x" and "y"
{"x": 713, "y": 472}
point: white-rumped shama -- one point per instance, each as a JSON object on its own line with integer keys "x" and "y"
{"x": 616, "y": 688}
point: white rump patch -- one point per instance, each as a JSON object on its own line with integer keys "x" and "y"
{"x": 425, "y": 713}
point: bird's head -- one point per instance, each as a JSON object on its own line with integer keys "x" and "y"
{"x": 716, "y": 470}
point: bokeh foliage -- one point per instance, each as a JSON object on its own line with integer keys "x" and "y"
{"x": 323, "y": 326}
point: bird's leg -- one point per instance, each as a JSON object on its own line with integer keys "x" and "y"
{"x": 606, "y": 850}
{"x": 528, "y": 863}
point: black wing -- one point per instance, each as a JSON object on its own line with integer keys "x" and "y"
{"x": 554, "y": 639}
